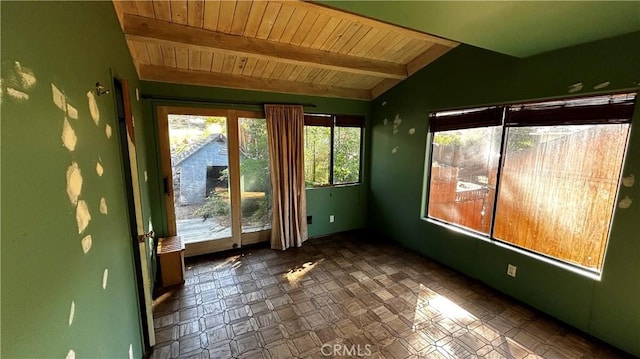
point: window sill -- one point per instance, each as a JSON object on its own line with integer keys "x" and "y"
{"x": 568, "y": 267}
{"x": 334, "y": 186}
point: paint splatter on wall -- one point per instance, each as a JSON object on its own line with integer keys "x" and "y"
{"x": 103, "y": 206}
{"x": 74, "y": 183}
{"x": 75, "y": 179}
{"x": 107, "y": 130}
{"x": 601, "y": 85}
{"x": 105, "y": 278}
{"x": 72, "y": 312}
{"x": 69, "y": 138}
{"x": 575, "y": 87}
{"x": 17, "y": 82}
{"x": 93, "y": 108}
{"x": 58, "y": 97}
{"x": 397, "y": 121}
{"x": 15, "y": 86}
{"x": 86, "y": 242}
{"x": 16, "y": 94}
{"x": 20, "y": 77}
{"x": 628, "y": 181}
{"x": 625, "y": 203}
{"x": 99, "y": 169}
{"x": 82, "y": 216}
{"x": 72, "y": 112}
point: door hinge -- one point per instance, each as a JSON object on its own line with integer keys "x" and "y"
{"x": 143, "y": 237}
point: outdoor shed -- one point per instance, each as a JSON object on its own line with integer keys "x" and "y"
{"x": 198, "y": 169}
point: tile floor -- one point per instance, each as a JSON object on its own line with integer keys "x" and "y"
{"x": 346, "y": 297}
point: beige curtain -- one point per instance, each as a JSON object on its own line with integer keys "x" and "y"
{"x": 285, "y": 128}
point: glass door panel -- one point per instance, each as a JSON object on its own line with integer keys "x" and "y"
{"x": 199, "y": 149}
{"x": 255, "y": 183}
{"x": 215, "y": 165}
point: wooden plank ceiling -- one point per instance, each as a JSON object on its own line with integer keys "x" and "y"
{"x": 276, "y": 46}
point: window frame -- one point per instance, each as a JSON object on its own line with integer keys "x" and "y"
{"x": 332, "y": 121}
{"x": 621, "y": 109}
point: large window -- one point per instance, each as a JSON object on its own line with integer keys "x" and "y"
{"x": 541, "y": 176}
{"x": 332, "y": 150}
{"x": 463, "y": 176}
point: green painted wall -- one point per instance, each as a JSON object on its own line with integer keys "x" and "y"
{"x": 608, "y": 309}
{"x": 347, "y": 203}
{"x": 44, "y": 269}
{"x": 483, "y": 23}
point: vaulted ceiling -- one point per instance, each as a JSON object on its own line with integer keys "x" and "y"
{"x": 347, "y": 49}
{"x": 278, "y": 46}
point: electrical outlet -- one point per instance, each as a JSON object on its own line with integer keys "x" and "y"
{"x": 511, "y": 270}
{"x": 332, "y": 219}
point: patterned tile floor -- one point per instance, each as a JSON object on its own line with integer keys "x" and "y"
{"x": 347, "y": 297}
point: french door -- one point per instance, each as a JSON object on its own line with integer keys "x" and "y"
{"x": 216, "y": 176}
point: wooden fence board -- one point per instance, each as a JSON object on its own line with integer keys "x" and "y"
{"x": 555, "y": 198}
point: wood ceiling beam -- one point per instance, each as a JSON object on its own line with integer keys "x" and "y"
{"x": 427, "y": 57}
{"x": 151, "y": 30}
{"x": 382, "y": 87}
{"x": 181, "y": 76}
{"x": 422, "y": 60}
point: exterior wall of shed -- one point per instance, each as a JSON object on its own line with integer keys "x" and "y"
{"x": 193, "y": 171}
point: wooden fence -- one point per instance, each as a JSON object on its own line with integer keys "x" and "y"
{"x": 557, "y": 197}
{"x": 464, "y": 208}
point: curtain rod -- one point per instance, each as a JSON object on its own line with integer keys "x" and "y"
{"x": 223, "y": 102}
